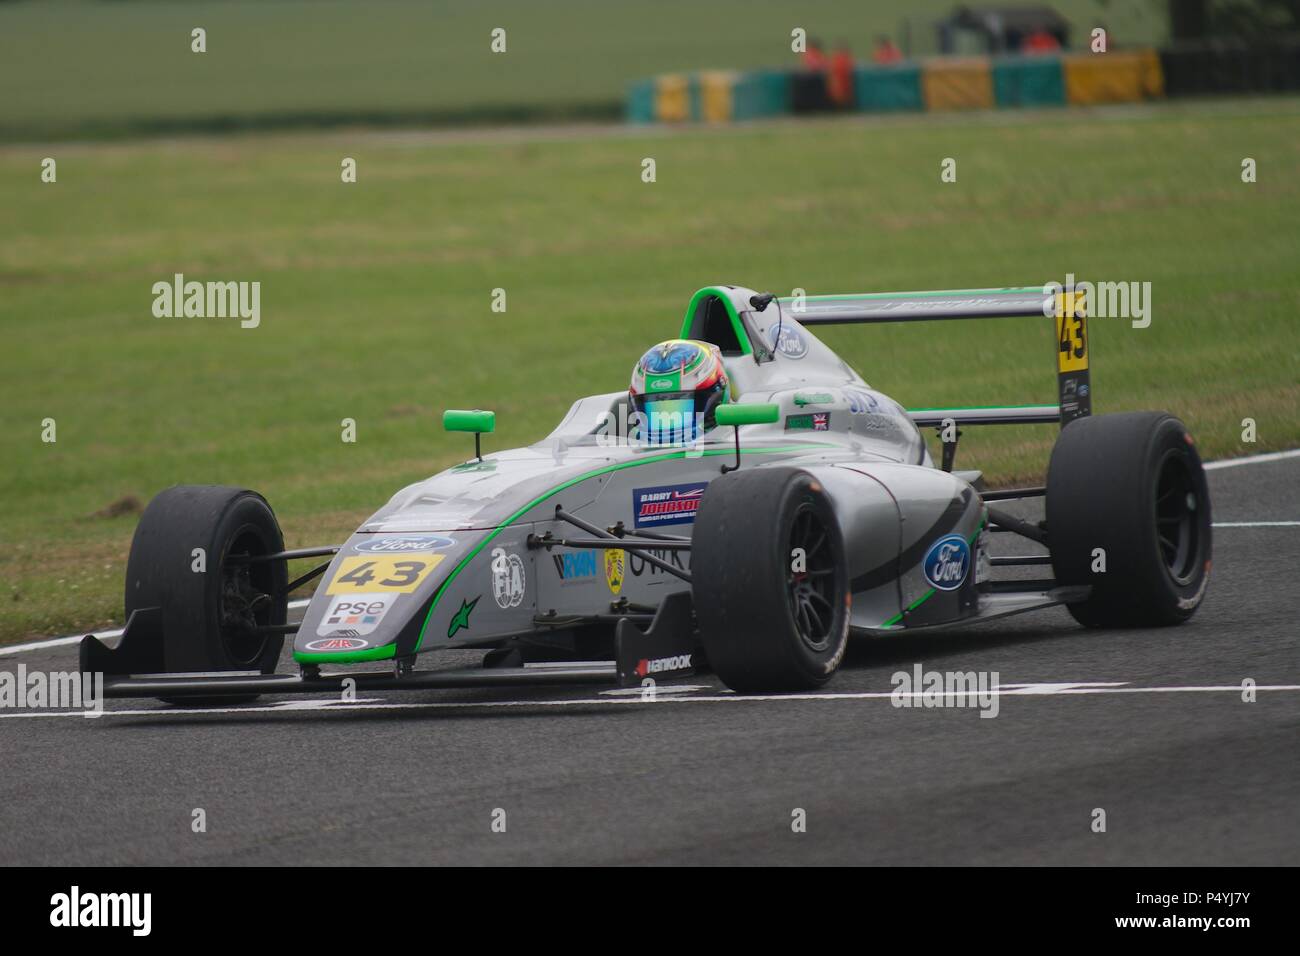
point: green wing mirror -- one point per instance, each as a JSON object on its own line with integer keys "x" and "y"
{"x": 476, "y": 421}
{"x": 747, "y": 413}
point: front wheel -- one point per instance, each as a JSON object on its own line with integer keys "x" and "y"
{"x": 1128, "y": 513}
{"x": 195, "y": 556}
{"x": 770, "y": 581}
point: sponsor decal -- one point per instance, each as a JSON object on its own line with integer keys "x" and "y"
{"x": 460, "y": 620}
{"x": 638, "y": 565}
{"x": 353, "y": 615}
{"x": 575, "y": 566}
{"x": 508, "y": 579}
{"x": 947, "y": 562}
{"x": 615, "y": 569}
{"x": 666, "y": 504}
{"x": 791, "y": 343}
{"x": 363, "y": 574}
{"x": 814, "y": 398}
{"x": 660, "y": 665}
{"x": 661, "y": 384}
{"x": 487, "y": 464}
{"x": 406, "y": 544}
{"x": 816, "y": 421}
{"x": 860, "y": 402}
{"x": 338, "y": 644}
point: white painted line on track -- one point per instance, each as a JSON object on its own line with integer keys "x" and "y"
{"x": 1252, "y": 459}
{"x": 1256, "y": 524}
{"x": 1209, "y": 466}
{"x": 76, "y": 638}
{"x": 335, "y": 705}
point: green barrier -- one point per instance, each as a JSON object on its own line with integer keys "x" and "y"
{"x": 888, "y": 88}
{"x": 761, "y": 93}
{"x": 1028, "y": 81}
{"x": 641, "y": 102}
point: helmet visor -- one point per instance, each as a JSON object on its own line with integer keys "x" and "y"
{"x": 672, "y": 419}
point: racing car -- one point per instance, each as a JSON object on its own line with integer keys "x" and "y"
{"x": 747, "y": 505}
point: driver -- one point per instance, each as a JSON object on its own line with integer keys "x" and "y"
{"x": 676, "y": 388}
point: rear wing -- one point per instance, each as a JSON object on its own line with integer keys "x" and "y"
{"x": 1067, "y": 307}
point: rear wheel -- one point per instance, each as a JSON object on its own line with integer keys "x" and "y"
{"x": 1128, "y": 512}
{"x": 769, "y": 580}
{"x": 190, "y": 557}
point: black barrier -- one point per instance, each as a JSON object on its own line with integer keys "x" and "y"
{"x": 1203, "y": 69}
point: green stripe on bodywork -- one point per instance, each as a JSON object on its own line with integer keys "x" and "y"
{"x": 741, "y": 335}
{"x": 346, "y": 657}
{"x": 581, "y": 478}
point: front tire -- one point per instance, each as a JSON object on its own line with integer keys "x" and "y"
{"x": 1131, "y": 485}
{"x": 213, "y": 619}
{"x": 770, "y": 619}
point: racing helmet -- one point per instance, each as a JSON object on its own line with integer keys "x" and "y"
{"x": 676, "y": 387}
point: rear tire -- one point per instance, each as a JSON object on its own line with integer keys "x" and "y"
{"x": 1133, "y": 486}
{"x": 764, "y": 625}
{"x": 210, "y": 617}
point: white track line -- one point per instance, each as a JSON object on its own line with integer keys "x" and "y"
{"x": 1252, "y": 459}
{"x": 1256, "y": 524}
{"x": 76, "y": 638}
{"x": 1209, "y": 466}
{"x": 970, "y": 701}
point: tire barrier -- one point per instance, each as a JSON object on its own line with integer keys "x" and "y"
{"x": 957, "y": 83}
{"x": 966, "y": 83}
{"x": 1028, "y": 81}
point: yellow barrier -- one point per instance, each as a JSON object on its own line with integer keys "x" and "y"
{"x": 964, "y": 83}
{"x": 1119, "y": 77}
{"x": 672, "y": 98}
{"x": 715, "y": 96}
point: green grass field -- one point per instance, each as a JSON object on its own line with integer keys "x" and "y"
{"x": 71, "y": 68}
{"x": 375, "y": 296}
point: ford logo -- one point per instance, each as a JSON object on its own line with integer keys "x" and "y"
{"x": 406, "y": 544}
{"x": 947, "y": 562}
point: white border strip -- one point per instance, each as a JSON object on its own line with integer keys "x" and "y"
{"x": 76, "y": 638}
{"x": 331, "y": 705}
{"x": 1252, "y": 459}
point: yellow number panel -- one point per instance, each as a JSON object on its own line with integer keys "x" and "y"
{"x": 1071, "y": 332}
{"x": 364, "y": 574}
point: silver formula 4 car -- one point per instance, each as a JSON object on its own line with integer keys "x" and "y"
{"x": 801, "y": 508}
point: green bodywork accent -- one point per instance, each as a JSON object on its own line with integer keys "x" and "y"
{"x": 748, "y": 414}
{"x": 741, "y": 335}
{"x": 460, "y": 620}
{"x": 346, "y": 657}
{"x": 574, "y": 481}
{"x": 460, "y": 420}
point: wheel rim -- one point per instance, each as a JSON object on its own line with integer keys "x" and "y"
{"x": 1178, "y": 518}
{"x": 247, "y": 601}
{"x": 811, "y": 590}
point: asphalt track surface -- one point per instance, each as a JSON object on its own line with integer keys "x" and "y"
{"x": 1147, "y": 725}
